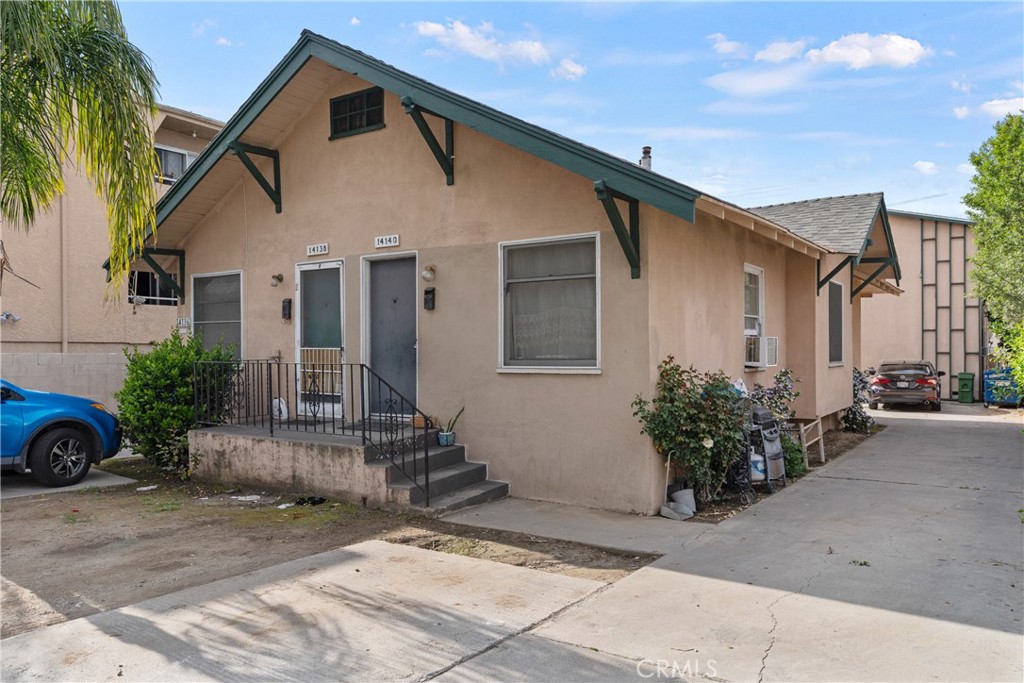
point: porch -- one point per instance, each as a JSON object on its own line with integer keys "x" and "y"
{"x": 354, "y": 438}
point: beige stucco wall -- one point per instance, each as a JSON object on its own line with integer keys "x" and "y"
{"x": 62, "y": 253}
{"x": 933, "y": 319}
{"x": 558, "y": 437}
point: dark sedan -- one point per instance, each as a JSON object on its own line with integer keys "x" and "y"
{"x": 906, "y": 382}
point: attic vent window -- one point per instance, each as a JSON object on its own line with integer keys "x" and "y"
{"x": 357, "y": 113}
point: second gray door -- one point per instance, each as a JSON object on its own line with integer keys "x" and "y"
{"x": 393, "y": 329}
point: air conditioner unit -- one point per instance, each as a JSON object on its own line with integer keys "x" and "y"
{"x": 762, "y": 352}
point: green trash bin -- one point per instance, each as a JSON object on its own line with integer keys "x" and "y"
{"x": 965, "y": 387}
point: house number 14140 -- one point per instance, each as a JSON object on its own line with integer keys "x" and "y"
{"x": 382, "y": 241}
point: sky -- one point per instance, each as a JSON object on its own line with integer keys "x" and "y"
{"x": 754, "y": 103}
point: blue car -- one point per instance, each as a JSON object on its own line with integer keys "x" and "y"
{"x": 57, "y": 437}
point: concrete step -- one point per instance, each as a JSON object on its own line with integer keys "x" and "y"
{"x": 442, "y": 481}
{"x": 476, "y": 494}
{"x": 439, "y": 457}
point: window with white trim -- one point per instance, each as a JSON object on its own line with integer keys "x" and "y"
{"x": 173, "y": 163}
{"x": 759, "y": 351}
{"x": 835, "y": 323}
{"x": 550, "y": 303}
{"x": 217, "y": 310}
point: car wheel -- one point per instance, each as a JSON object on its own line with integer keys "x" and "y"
{"x": 936, "y": 406}
{"x": 61, "y": 457}
{"x": 873, "y": 405}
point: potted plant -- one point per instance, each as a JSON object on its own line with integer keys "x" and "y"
{"x": 446, "y": 437}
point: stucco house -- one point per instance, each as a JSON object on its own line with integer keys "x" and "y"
{"x": 477, "y": 260}
{"x": 62, "y": 334}
{"x": 936, "y": 318}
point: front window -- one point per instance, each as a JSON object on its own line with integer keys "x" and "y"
{"x": 357, "y": 113}
{"x": 217, "y": 310}
{"x": 550, "y": 303}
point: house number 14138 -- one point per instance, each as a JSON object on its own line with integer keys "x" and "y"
{"x": 317, "y": 249}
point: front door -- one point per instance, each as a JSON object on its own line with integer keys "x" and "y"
{"x": 319, "y": 339}
{"x": 392, "y": 327}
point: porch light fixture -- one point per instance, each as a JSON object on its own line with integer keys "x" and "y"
{"x": 275, "y": 280}
{"x": 428, "y": 273}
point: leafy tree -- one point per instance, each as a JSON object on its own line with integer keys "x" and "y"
{"x": 74, "y": 87}
{"x": 996, "y": 205}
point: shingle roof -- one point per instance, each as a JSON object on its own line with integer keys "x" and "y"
{"x": 838, "y": 223}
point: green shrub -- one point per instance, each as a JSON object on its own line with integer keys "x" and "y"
{"x": 696, "y": 420}
{"x": 793, "y": 453}
{"x": 156, "y": 402}
{"x": 855, "y": 418}
{"x": 778, "y": 397}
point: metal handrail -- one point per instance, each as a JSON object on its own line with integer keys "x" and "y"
{"x": 309, "y": 397}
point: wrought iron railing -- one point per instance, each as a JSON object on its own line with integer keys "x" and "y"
{"x": 340, "y": 399}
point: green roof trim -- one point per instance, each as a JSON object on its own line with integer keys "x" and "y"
{"x": 641, "y": 184}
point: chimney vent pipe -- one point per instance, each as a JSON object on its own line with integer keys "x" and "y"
{"x": 645, "y": 160}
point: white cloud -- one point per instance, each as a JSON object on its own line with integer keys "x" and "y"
{"x": 961, "y": 112}
{"x": 354, "y": 21}
{"x": 781, "y": 51}
{"x": 960, "y": 86}
{"x": 966, "y": 169}
{"x": 926, "y": 167}
{"x": 761, "y": 81}
{"x": 480, "y": 42}
{"x": 224, "y": 42}
{"x": 201, "y": 27}
{"x": 997, "y": 109}
{"x": 568, "y": 70}
{"x": 861, "y": 50}
{"x": 726, "y": 47}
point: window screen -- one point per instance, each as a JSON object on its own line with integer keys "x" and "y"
{"x": 217, "y": 310}
{"x": 835, "y": 322}
{"x": 551, "y": 304}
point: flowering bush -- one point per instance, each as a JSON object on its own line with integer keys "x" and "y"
{"x": 779, "y": 396}
{"x": 856, "y": 418}
{"x": 696, "y": 420}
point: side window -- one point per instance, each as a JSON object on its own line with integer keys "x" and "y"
{"x": 753, "y": 301}
{"x": 217, "y": 310}
{"x": 835, "y": 323}
{"x": 145, "y": 288}
{"x": 173, "y": 163}
{"x": 550, "y": 303}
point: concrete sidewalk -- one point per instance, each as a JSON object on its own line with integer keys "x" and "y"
{"x": 371, "y": 611}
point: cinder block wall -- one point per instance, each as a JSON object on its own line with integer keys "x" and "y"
{"x": 93, "y": 375}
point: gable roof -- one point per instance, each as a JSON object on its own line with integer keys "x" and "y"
{"x": 620, "y": 175}
{"x": 839, "y": 223}
{"x": 856, "y": 224}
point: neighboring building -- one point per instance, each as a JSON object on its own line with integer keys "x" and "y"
{"x": 67, "y": 337}
{"x": 474, "y": 259}
{"x": 935, "y": 319}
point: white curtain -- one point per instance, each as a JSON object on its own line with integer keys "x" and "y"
{"x": 551, "y": 306}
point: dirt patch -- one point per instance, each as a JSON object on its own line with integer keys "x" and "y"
{"x": 837, "y": 443}
{"x": 70, "y": 554}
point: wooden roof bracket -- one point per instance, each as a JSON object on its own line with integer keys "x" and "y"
{"x": 177, "y": 287}
{"x": 242, "y": 151}
{"x": 884, "y": 263}
{"x": 446, "y": 157}
{"x": 628, "y": 239}
{"x": 832, "y": 273}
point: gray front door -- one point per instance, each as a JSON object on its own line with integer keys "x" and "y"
{"x": 393, "y": 331}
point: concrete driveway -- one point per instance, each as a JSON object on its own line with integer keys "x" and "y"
{"x": 16, "y": 485}
{"x": 902, "y": 561}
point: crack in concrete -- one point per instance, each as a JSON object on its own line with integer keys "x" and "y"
{"x": 504, "y": 639}
{"x": 915, "y": 483}
{"x": 775, "y": 620}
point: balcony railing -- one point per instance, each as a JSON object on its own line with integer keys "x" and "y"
{"x": 339, "y": 399}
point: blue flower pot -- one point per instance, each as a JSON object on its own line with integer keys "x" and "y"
{"x": 446, "y": 438}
